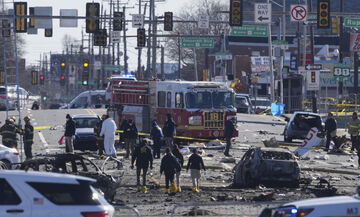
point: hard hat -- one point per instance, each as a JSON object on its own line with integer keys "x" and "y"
{"x": 26, "y": 118}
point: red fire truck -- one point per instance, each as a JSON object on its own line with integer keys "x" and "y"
{"x": 199, "y": 109}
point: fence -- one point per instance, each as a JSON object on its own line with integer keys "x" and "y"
{"x": 222, "y": 208}
{"x": 126, "y": 211}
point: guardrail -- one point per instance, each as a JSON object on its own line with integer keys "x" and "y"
{"x": 222, "y": 208}
{"x": 130, "y": 211}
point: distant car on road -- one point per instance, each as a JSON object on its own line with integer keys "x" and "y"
{"x": 261, "y": 104}
{"x": 243, "y": 103}
{"x": 262, "y": 165}
{"x": 84, "y": 133}
{"x": 9, "y": 157}
{"x": 88, "y": 99}
{"x": 325, "y": 206}
{"x": 27, "y": 194}
{"x": 300, "y": 124}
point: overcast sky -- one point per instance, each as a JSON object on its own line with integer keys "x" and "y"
{"x": 38, "y": 44}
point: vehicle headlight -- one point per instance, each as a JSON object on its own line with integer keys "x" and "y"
{"x": 231, "y": 117}
{"x": 195, "y": 120}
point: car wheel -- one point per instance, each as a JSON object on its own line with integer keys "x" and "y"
{"x": 5, "y": 165}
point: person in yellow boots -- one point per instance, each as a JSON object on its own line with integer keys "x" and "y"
{"x": 195, "y": 163}
{"x": 169, "y": 165}
{"x": 143, "y": 157}
{"x": 180, "y": 158}
{"x": 354, "y": 127}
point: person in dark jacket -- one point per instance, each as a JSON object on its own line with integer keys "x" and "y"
{"x": 69, "y": 133}
{"x": 143, "y": 157}
{"x": 131, "y": 134}
{"x": 156, "y": 135}
{"x": 229, "y": 132}
{"x": 195, "y": 164}
{"x": 180, "y": 158}
{"x": 169, "y": 130}
{"x": 330, "y": 128}
{"x": 8, "y": 132}
{"x": 169, "y": 165}
{"x": 100, "y": 139}
{"x": 122, "y": 127}
{"x": 28, "y": 137}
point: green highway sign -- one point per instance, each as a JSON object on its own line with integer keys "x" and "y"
{"x": 249, "y": 30}
{"x": 113, "y": 68}
{"x": 351, "y": 22}
{"x": 197, "y": 42}
{"x": 311, "y": 17}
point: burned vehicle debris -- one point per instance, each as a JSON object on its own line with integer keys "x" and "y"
{"x": 299, "y": 125}
{"x": 267, "y": 165}
{"x": 77, "y": 164}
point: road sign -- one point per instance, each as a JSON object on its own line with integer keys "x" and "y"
{"x": 298, "y": 13}
{"x": 263, "y": 13}
{"x": 138, "y": 20}
{"x": 113, "y": 68}
{"x": 352, "y": 22}
{"x": 280, "y": 43}
{"x": 203, "y": 22}
{"x": 250, "y": 31}
{"x": 293, "y": 62}
{"x": 313, "y": 67}
{"x": 341, "y": 71}
{"x": 197, "y": 43}
{"x": 223, "y": 56}
{"x": 68, "y": 22}
{"x": 260, "y": 64}
{"x": 115, "y": 37}
{"x": 313, "y": 80}
{"x": 44, "y": 23}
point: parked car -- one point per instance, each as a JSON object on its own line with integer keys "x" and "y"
{"x": 88, "y": 99}
{"x": 325, "y": 206}
{"x": 243, "y": 103}
{"x": 33, "y": 194}
{"x": 262, "y": 165}
{"x": 84, "y": 133}
{"x": 261, "y": 104}
{"x": 299, "y": 125}
{"x": 9, "y": 157}
{"x": 24, "y": 97}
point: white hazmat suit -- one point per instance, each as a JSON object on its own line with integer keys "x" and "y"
{"x": 108, "y": 131}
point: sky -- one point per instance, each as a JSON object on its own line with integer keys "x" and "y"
{"x": 37, "y": 45}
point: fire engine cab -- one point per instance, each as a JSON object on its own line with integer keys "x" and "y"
{"x": 199, "y": 109}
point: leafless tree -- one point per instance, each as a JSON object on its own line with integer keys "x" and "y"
{"x": 70, "y": 43}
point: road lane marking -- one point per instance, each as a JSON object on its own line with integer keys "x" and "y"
{"x": 90, "y": 111}
{"x": 42, "y": 127}
{"x": 42, "y": 138}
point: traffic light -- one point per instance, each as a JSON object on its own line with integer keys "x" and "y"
{"x": 323, "y": 14}
{"x": 236, "y": 11}
{"x": 20, "y": 22}
{"x": 85, "y": 79}
{"x": 92, "y": 17}
{"x": 34, "y": 77}
{"x": 6, "y": 29}
{"x": 2, "y": 77}
{"x": 62, "y": 80}
{"x": 141, "y": 37}
{"x": 48, "y": 32}
{"x": 100, "y": 38}
{"x": 335, "y": 25}
{"x": 44, "y": 98}
{"x": 118, "y": 21}
{"x": 62, "y": 66}
{"x": 86, "y": 66}
{"x": 168, "y": 21}
{"x": 313, "y": 77}
{"x": 31, "y": 20}
{"x": 42, "y": 79}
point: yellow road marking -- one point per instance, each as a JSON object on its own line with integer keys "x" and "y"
{"x": 90, "y": 111}
{"x": 42, "y": 127}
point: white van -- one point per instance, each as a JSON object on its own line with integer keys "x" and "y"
{"x": 88, "y": 99}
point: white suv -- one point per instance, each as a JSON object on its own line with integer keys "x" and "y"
{"x": 36, "y": 194}
{"x": 9, "y": 156}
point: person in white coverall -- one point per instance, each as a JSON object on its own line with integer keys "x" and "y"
{"x": 108, "y": 131}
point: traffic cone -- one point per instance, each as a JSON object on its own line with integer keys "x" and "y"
{"x": 173, "y": 187}
{"x": 144, "y": 189}
{"x": 139, "y": 188}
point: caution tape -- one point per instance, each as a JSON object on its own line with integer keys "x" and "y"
{"x": 42, "y": 127}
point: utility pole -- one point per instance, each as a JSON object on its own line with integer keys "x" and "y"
{"x": 148, "y": 75}
{"x": 162, "y": 64}
{"x": 341, "y": 57}
{"x": 125, "y": 46}
{"x": 154, "y": 45}
{"x": 312, "y": 47}
{"x": 140, "y": 74}
{"x": 118, "y": 44}
{"x": 272, "y": 92}
{"x": 179, "y": 59}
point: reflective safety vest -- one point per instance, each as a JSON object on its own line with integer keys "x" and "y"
{"x": 354, "y": 127}
{"x": 28, "y": 133}
{"x": 8, "y": 133}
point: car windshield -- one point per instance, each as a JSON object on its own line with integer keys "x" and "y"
{"x": 85, "y": 122}
{"x": 223, "y": 99}
{"x": 275, "y": 155}
{"x": 241, "y": 101}
{"x": 198, "y": 100}
{"x": 261, "y": 102}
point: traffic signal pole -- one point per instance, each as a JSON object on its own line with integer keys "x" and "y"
{"x": 312, "y": 47}
{"x": 272, "y": 91}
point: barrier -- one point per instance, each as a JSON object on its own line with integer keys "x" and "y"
{"x": 222, "y": 208}
{"x": 126, "y": 211}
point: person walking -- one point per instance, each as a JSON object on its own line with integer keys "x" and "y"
{"x": 69, "y": 133}
{"x": 131, "y": 134}
{"x": 108, "y": 129}
{"x": 156, "y": 135}
{"x": 180, "y": 158}
{"x": 169, "y": 130}
{"x": 28, "y": 137}
{"x": 169, "y": 165}
{"x": 330, "y": 128}
{"x": 143, "y": 157}
{"x": 8, "y": 132}
{"x": 229, "y": 133}
{"x": 195, "y": 164}
{"x": 354, "y": 127}
{"x": 100, "y": 139}
{"x": 122, "y": 128}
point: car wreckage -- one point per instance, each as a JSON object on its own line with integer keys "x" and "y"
{"x": 78, "y": 164}
{"x": 267, "y": 165}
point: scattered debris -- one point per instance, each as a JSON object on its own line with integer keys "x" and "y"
{"x": 199, "y": 212}
{"x": 228, "y": 160}
{"x": 271, "y": 143}
{"x": 268, "y": 196}
{"x": 322, "y": 157}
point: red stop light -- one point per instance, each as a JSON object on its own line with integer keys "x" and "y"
{"x": 62, "y": 80}
{"x": 42, "y": 78}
